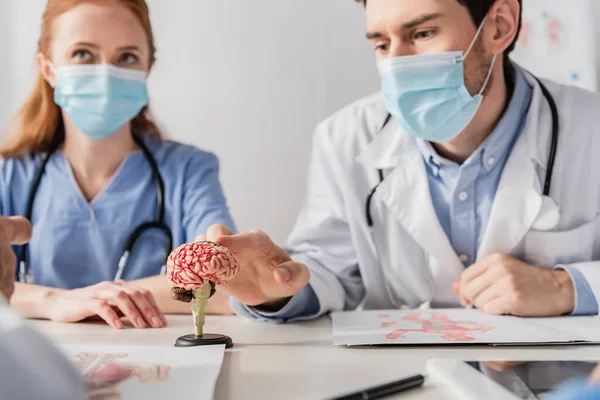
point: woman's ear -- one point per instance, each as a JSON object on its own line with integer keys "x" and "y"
{"x": 504, "y": 20}
{"x": 47, "y": 69}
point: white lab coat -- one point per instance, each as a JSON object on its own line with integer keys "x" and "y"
{"x": 406, "y": 259}
{"x": 31, "y": 367}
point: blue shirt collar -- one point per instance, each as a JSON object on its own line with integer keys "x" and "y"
{"x": 498, "y": 144}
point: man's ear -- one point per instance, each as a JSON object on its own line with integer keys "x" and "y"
{"x": 502, "y": 25}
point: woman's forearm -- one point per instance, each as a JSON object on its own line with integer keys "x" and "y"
{"x": 32, "y": 301}
{"x": 161, "y": 290}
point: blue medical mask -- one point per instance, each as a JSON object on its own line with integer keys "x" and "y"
{"x": 100, "y": 99}
{"x": 427, "y": 95}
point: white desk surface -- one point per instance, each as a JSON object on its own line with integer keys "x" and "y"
{"x": 298, "y": 361}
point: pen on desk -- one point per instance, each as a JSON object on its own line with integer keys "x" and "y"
{"x": 389, "y": 389}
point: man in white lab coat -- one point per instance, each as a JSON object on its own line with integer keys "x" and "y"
{"x": 30, "y": 366}
{"x": 458, "y": 198}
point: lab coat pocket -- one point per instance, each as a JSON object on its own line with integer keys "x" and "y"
{"x": 548, "y": 249}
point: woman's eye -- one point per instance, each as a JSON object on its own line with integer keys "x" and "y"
{"x": 128, "y": 59}
{"x": 82, "y": 55}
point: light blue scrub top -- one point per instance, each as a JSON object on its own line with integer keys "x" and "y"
{"x": 77, "y": 244}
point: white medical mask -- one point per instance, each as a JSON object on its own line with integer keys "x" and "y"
{"x": 427, "y": 95}
{"x": 100, "y": 98}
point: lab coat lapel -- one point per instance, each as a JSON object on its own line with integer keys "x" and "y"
{"x": 517, "y": 203}
{"x": 519, "y": 196}
{"x": 405, "y": 192}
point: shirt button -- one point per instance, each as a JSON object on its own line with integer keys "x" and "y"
{"x": 464, "y": 258}
{"x": 491, "y": 161}
{"x": 463, "y": 196}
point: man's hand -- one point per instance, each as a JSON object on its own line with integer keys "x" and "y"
{"x": 14, "y": 230}
{"x": 268, "y": 277}
{"x": 500, "y": 284}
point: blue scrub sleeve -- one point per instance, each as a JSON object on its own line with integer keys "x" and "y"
{"x": 304, "y": 304}
{"x": 585, "y": 300}
{"x": 204, "y": 202}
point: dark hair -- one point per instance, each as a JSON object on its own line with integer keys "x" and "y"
{"x": 478, "y": 10}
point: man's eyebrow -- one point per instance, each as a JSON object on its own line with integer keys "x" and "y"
{"x": 373, "y": 35}
{"x": 409, "y": 25}
{"x": 421, "y": 20}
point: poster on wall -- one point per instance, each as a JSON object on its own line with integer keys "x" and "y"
{"x": 558, "y": 41}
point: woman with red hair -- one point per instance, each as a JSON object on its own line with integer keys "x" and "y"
{"x": 107, "y": 195}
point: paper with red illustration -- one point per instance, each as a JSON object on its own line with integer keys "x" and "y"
{"x": 137, "y": 372}
{"x": 448, "y": 327}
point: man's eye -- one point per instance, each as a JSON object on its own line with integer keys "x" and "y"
{"x": 382, "y": 47}
{"x": 424, "y": 35}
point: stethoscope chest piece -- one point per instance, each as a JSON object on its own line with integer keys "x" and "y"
{"x": 549, "y": 215}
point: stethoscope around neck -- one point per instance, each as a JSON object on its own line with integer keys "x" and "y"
{"x": 25, "y": 275}
{"x": 551, "y": 159}
{"x": 547, "y": 183}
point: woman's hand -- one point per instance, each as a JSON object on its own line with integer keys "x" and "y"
{"x": 109, "y": 301}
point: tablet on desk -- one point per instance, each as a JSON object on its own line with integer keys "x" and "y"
{"x": 506, "y": 380}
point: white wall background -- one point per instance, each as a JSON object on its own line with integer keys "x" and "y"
{"x": 248, "y": 80}
{"x": 6, "y": 42}
{"x": 596, "y": 17}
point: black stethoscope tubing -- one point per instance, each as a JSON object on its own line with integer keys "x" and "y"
{"x": 158, "y": 223}
{"x": 551, "y": 160}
